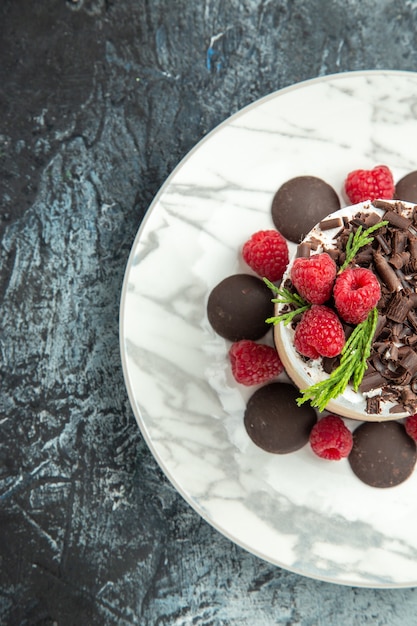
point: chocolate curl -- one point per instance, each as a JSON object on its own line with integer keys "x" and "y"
{"x": 403, "y": 280}
{"x": 409, "y": 362}
{"x": 409, "y": 399}
{"x": 303, "y": 250}
{"x": 379, "y": 347}
{"x": 412, "y": 247}
{"x": 330, "y": 363}
{"x": 383, "y": 243}
{"x": 398, "y": 307}
{"x": 334, "y": 222}
{"x": 370, "y": 219}
{"x": 404, "y": 351}
{"x": 393, "y": 352}
{"x": 333, "y": 254}
{"x": 412, "y": 318}
{"x": 400, "y": 239}
{"x": 398, "y": 408}
{"x": 399, "y": 259}
{"x": 315, "y": 243}
{"x": 358, "y": 220}
{"x": 373, "y": 405}
{"x": 411, "y": 340}
{"x": 396, "y": 330}
{"x": 373, "y": 380}
{"x": 395, "y": 376}
{"x": 386, "y": 273}
{"x": 398, "y": 220}
{"x": 364, "y": 256}
{"x": 385, "y": 205}
{"x": 380, "y": 325}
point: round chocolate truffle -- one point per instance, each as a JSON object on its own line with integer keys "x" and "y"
{"x": 275, "y": 422}
{"x": 238, "y": 307}
{"x": 406, "y": 188}
{"x": 383, "y": 455}
{"x": 300, "y": 203}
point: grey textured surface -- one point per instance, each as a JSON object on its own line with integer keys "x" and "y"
{"x": 99, "y": 100}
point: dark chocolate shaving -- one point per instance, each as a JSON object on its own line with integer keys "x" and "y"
{"x": 386, "y": 273}
{"x": 373, "y": 405}
{"x": 412, "y": 318}
{"x": 399, "y": 259}
{"x": 398, "y": 408}
{"x": 386, "y": 248}
{"x": 373, "y": 380}
{"x": 403, "y": 279}
{"x": 303, "y": 250}
{"x": 364, "y": 256}
{"x": 398, "y": 307}
{"x": 409, "y": 362}
{"x": 412, "y": 247}
{"x": 411, "y": 340}
{"x": 399, "y": 240}
{"x": 380, "y": 325}
{"x": 409, "y": 399}
{"x": 334, "y": 222}
{"x": 392, "y": 257}
{"x": 334, "y": 254}
{"x": 397, "y": 220}
{"x": 371, "y": 219}
{"x": 397, "y": 374}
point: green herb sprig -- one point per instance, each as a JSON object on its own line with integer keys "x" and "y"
{"x": 352, "y": 366}
{"x": 285, "y": 296}
{"x": 357, "y": 349}
{"x": 357, "y": 241}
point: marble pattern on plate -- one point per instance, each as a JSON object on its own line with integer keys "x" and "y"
{"x": 294, "y": 510}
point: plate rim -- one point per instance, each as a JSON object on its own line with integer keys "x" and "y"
{"x": 122, "y": 303}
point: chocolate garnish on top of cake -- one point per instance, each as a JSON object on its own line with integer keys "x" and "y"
{"x": 389, "y": 386}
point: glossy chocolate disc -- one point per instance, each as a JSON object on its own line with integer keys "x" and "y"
{"x": 275, "y": 422}
{"x": 406, "y": 188}
{"x": 300, "y": 203}
{"x": 383, "y": 455}
{"x": 238, "y": 307}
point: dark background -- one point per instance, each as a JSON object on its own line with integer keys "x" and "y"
{"x": 99, "y": 101}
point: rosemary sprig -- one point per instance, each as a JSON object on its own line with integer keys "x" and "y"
{"x": 357, "y": 241}
{"x": 351, "y": 369}
{"x": 285, "y": 296}
{"x": 356, "y": 351}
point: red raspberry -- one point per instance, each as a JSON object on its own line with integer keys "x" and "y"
{"x": 411, "y": 426}
{"x": 313, "y": 277}
{"x": 356, "y": 292}
{"x": 331, "y": 439}
{"x": 378, "y": 183}
{"x": 266, "y": 252}
{"x": 254, "y": 363}
{"x": 319, "y": 333}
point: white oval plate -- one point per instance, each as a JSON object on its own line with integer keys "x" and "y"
{"x": 299, "y": 512}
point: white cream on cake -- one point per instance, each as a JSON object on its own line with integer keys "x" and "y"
{"x": 305, "y": 373}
